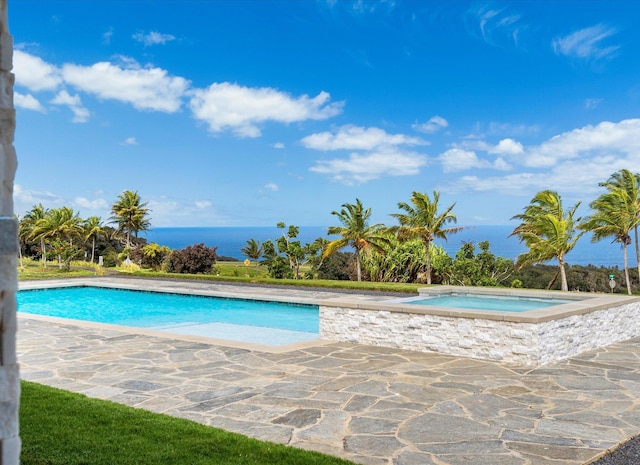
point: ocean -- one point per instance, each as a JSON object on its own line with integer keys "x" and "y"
{"x": 230, "y": 240}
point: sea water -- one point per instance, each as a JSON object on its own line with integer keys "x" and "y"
{"x": 231, "y": 240}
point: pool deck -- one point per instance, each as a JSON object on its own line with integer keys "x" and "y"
{"x": 371, "y": 405}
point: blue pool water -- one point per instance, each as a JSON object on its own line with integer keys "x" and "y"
{"x": 502, "y": 304}
{"x": 253, "y": 321}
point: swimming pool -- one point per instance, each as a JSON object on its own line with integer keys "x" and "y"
{"x": 487, "y": 302}
{"x": 244, "y": 320}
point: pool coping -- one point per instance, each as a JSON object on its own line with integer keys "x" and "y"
{"x": 155, "y": 286}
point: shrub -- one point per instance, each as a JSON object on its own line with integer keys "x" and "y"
{"x": 336, "y": 266}
{"x": 109, "y": 259}
{"x": 150, "y": 256}
{"x": 194, "y": 259}
{"x": 279, "y": 268}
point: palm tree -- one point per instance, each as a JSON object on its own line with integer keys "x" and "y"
{"x": 356, "y": 232}
{"x": 548, "y": 231}
{"x": 614, "y": 216}
{"x": 130, "y": 215}
{"x": 28, "y": 224}
{"x": 628, "y": 183}
{"x": 422, "y": 221}
{"x": 252, "y": 250}
{"x": 60, "y": 224}
{"x": 93, "y": 229}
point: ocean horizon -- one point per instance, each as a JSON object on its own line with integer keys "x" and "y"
{"x": 231, "y": 239}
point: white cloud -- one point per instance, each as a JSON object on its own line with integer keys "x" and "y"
{"x": 272, "y": 187}
{"x": 80, "y": 113}
{"x": 153, "y": 38}
{"x": 382, "y": 154}
{"x": 106, "y": 37}
{"x": 507, "y": 147}
{"x": 278, "y": 145}
{"x": 579, "y": 178}
{"x": 433, "y": 125}
{"x": 591, "y": 103}
{"x": 27, "y": 102}
{"x": 360, "y": 168}
{"x": 203, "y": 204}
{"x": 97, "y": 204}
{"x": 25, "y": 199}
{"x": 620, "y": 139}
{"x": 129, "y": 141}
{"x": 34, "y": 73}
{"x": 351, "y": 137}
{"x": 226, "y": 106}
{"x": 509, "y": 129}
{"x": 587, "y": 43}
{"x": 64, "y": 98}
{"x": 574, "y": 162}
{"x": 501, "y": 165}
{"x": 496, "y": 26}
{"x": 459, "y": 160}
{"x": 168, "y": 212}
{"x": 145, "y": 88}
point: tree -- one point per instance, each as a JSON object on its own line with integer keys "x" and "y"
{"x": 614, "y": 216}
{"x": 297, "y": 254}
{"x": 28, "y": 224}
{"x": 356, "y": 232}
{"x": 482, "y": 269}
{"x": 336, "y": 266}
{"x": 276, "y": 264}
{"x": 400, "y": 261}
{"x": 629, "y": 185}
{"x": 130, "y": 215}
{"x": 253, "y": 250}
{"x": 60, "y": 226}
{"x": 548, "y": 231}
{"x": 423, "y": 221}
{"x": 94, "y": 230}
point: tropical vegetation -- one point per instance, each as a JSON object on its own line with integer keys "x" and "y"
{"x": 616, "y": 214}
{"x": 548, "y": 231}
{"x": 422, "y": 221}
{"x": 131, "y": 215}
{"x": 408, "y": 252}
{"x": 356, "y": 232}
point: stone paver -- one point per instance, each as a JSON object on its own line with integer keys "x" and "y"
{"x": 371, "y": 405}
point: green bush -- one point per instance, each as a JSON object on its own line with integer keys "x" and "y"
{"x": 279, "y": 268}
{"x": 337, "y": 266}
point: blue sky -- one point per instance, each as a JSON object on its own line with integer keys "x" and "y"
{"x": 247, "y": 113}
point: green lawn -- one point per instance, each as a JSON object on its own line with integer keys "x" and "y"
{"x": 62, "y": 428}
{"x": 34, "y": 270}
{"x": 233, "y": 272}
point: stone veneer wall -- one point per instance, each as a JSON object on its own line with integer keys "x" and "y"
{"x": 506, "y": 341}
{"x": 9, "y": 375}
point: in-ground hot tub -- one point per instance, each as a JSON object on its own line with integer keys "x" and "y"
{"x": 561, "y": 325}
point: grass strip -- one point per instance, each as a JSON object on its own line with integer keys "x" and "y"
{"x": 410, "y": 288}
{"x": 60, "y": 427}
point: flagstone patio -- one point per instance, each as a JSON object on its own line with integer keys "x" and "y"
{"x": 372, "y": 405}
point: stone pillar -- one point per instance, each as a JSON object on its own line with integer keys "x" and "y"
{"x": 9, "y": 375}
